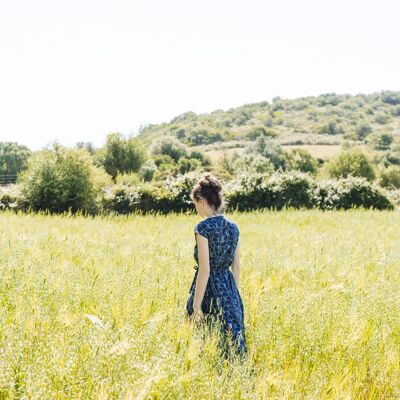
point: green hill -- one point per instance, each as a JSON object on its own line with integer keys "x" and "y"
{"x": 319, "y": 124}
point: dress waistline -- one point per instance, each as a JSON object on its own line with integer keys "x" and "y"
{"x": 196, "y": 267}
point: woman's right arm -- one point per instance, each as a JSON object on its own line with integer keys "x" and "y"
{"x": 236, "y": 264}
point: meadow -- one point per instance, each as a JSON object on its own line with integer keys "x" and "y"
{"x": 93, "y": 308}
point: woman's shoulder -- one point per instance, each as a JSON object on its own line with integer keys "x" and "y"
{"x": 232, "y": 224}
{"x": 204, "y": 228}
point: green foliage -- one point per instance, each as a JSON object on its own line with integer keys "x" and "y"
{"x": 381, "y": 140}
{"x": 330, "y": 128}
{"x": 349, "y": 193}
{"x": 61, "y": 179}
{"x": 88, "y": 146}
{"x": 302, "y": 160}
{"x": 11, "y": 199}
{"x": 13, "y": 158}
{"x": 363, "y": 130}
{"x": 197, "y": 137}
{"x": 121, "y": 155}
{"x": 171, "y": 195}
{"x": 382, "y": 118}
{"x": 288, "y": 189}
{"x": 352, "y": 162}
{"x": 129, "y": 179}
{"x": 328, "y": 99}
{"x": 147, "y": 170}
{"x": 257, "y": 131}
{"x": 252, "y": 163}
{"x": 390, "y": 97}
{"x": 268, "y": 148}
{"x": 390, "y": 177}
{"x": 169, "y": 146}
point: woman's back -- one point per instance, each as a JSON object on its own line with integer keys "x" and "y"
{"x": 223, "y": 236}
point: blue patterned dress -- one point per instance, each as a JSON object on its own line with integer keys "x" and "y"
{"x": 221, "y": 295}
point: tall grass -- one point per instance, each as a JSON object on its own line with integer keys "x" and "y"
{"x": 94, "y": 308}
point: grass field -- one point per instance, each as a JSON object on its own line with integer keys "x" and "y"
{"x": 321, "y": 292}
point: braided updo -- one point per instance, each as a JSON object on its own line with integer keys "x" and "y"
{"x": 209, "y": 187}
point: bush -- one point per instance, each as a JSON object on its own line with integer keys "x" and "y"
{"x": 301, "y": 160}
{"x": 390, "y": 178}
{"x": 62, "y": 179}
{"x": 363, "y": 130}
{"x": 268, "y": 148}
{"x": 348, "y": 193}
{"x": 11, "y": 199}
{"x": 147, "y": 170}
{"x": 288, "y": 189}
{"x": 390, "y": 97}
{"x": 121, "y": 155}
{"x": 13, "y": 158}
{"x": 331, "y": 128}
{"x": 256, "y": 131}
{"x": 352, "y": 162}
{"x": 171, "y": 195}
{"x": 381, "y": 140}
{"x": 252, "y": 163}
{"x": 169, "y": 146}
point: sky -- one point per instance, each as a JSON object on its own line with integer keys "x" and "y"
{"x": 78, "y": 70}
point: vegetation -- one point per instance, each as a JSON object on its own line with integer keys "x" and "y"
{"x": 13, "y": 158}
{"x": 61, "y": 179}
{"x": 92, "y": 309}
{"x": 328, "y": 136}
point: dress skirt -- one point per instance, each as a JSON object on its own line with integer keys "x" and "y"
{"x": 222, "y": 298}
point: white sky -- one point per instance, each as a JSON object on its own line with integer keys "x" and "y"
{"x": 77, "y": 70}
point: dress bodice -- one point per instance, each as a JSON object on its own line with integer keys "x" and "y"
{"x": 223, "y": 236}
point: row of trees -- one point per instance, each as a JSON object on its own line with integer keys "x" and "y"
{"x": 126, "y": 160}
{"x": 63, "y": 179}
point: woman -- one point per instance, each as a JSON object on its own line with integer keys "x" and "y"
{"x": 214, "y": 290}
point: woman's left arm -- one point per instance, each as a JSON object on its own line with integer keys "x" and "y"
{"x": 203, "y": 272}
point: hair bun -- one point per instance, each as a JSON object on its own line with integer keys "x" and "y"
{"x": 209, "y": 180}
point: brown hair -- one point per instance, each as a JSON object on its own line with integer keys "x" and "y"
{"x": 209, "y": 187}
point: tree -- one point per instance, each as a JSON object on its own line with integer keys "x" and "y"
{"x": 302, "y": 160}
{"x": 331, "y": 128}
{"x": 268, "y": 148}
{"x": 147, "y": 170}
{"x": 13, "y": 158}
{"x": 363, "y": 130}
{"x": 121, "y": 155}
{"x": 352, "y": 163}
{"x": 60, "y": 179}
{"x": 170, "y": 146}
{"x": 390, "y": 177}
{"x": 390, "y": 97}
{"x": 87, "y": 146}
{"x": 381, "y": 140}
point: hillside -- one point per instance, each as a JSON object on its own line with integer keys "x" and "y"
{"x": 318, "y": 123}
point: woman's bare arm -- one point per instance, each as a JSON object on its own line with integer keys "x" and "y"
{"x": 236, "y": 264}
{"x": 203, "y": 272}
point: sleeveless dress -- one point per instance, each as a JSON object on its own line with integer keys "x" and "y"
{"x": 221, "y": 296}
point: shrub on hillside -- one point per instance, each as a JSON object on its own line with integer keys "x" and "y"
{"x": 169, "y": 146}
{"x": 390, "y": 177}
{"x": 301, "y": 160}
{"x": 61, "y": 179}
{"x": 381, "y": 140}
{"x": 352, "y": 162}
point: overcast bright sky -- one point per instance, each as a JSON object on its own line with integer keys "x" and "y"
{"x": 77, "y": 70}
